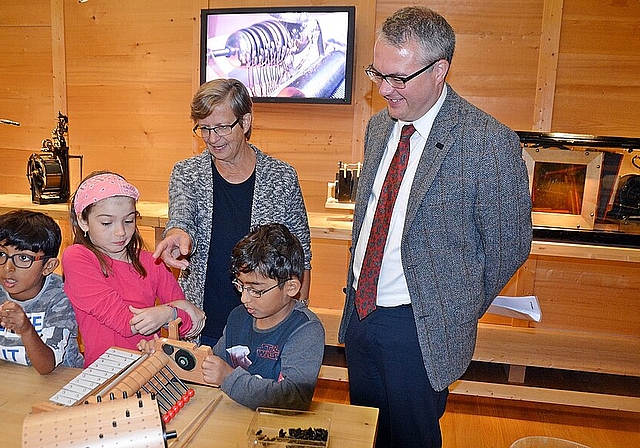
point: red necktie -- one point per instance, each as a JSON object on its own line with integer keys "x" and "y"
{"x": 370, "y": 272}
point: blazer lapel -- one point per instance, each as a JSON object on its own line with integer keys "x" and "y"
{"x": 436, "y": 148}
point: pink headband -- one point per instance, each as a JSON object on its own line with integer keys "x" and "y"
{"x": 101, "y": 187}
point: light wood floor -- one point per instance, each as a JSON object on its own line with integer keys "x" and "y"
{"x": 477, "y": 422}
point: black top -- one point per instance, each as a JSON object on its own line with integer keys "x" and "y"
{"x": 231, "y": 222}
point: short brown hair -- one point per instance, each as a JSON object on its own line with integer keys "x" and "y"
{"x": 215, "y": 92}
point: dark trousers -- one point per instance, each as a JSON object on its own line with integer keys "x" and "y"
{"x": 386, "y": 371}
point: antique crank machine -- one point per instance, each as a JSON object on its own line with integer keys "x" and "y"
{"x": 124, "y": 398}
{"x": 48, "y": 171}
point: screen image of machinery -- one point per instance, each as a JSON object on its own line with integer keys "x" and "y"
{"x": 281, "y": 54}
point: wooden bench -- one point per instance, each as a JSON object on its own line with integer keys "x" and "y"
{"x": 523, "y": 346}
{"x": 519, "y": 347}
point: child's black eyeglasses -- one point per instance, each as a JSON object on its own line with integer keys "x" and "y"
{"x": 22, "y": 261}
{"x": 256, "y": 294}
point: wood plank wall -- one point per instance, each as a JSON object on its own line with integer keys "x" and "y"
{"x": 124, "y": 73}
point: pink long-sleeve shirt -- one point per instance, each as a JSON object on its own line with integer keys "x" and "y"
{"x": 102, "y": 303}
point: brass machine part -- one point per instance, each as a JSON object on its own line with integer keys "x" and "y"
{"x": 48, "y": 170}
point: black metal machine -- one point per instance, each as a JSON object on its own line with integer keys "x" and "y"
{"x": 48, "y": 171}
{"x": 614, "y": 206}
{"x": 625, "y": 203}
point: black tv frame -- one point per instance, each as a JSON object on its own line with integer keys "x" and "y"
{"x": 314, "y": 72}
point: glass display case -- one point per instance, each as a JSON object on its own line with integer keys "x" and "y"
{"x": 584, "y": 189}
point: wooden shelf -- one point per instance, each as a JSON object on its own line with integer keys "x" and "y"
{"x": 152, "y": 214}
{"x": 339, "y": 205}
{"x": 330, "y": 225}
{"x": 547, "y": 396}
{"x": 559, "y": 349}
{"x": 585, "y": 251}
{"x": 331, "y": 320}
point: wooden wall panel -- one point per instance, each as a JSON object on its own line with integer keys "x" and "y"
{"x": 496, "y": 58}
{"x": 588, "y": 295}
{"x": 306, "y": 137}
{"x": 131, "y": 68}
{"x": 328, "y": 276}
{"x": 129, "y": 81}
{"x": 18, "y": 13}
{"x": 547, "y": 65}
{"x": 26, "y": 94}
{"x": 598, "y": 86}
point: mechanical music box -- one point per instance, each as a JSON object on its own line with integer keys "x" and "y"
{"x": 48, "y": 171}
{"x": 124, "y": 398}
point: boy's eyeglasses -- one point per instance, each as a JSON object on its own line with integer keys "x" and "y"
{"x": 22, "y": 261}
{"x": 256, "y": 294}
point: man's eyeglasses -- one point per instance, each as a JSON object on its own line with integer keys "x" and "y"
{"x": 397, "y": 82}
{"x": 256, "y": 294}
{"x": 222, "y": 130}
{"x": 22, "y": 261}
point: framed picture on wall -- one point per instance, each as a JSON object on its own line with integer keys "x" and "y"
{"x": 564, "y": 186}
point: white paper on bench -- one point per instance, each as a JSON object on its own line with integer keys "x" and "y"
{"x": 525, "y": 307}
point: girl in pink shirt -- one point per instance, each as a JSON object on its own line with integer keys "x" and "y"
{"x": 119, "y": 292}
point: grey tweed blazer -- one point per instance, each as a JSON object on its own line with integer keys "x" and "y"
{"x": 277, "y": 197}
{"x": 467, "y": 229}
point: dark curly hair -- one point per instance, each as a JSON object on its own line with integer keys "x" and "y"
{"x": 270, "y": 250}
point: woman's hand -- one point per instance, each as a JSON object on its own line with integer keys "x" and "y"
{"x": 174, "y": 248}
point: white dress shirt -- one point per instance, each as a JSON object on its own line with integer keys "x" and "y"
{"x": 392, "y": 285}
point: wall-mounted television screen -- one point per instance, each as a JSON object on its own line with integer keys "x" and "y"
{"x": 282, "y": 54}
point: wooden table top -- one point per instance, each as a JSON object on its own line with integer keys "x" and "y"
{"x": 22, "y": 387}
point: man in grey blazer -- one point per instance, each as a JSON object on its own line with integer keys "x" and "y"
{"x": 460, "y": 228}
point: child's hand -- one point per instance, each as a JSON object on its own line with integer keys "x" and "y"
{"x": 148, "y": 347}
{"x": 215, "y": 370}
{"x": 147, "y": 321}
{"x": 196, "y": 314}
{"x": 13, "y": 317}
